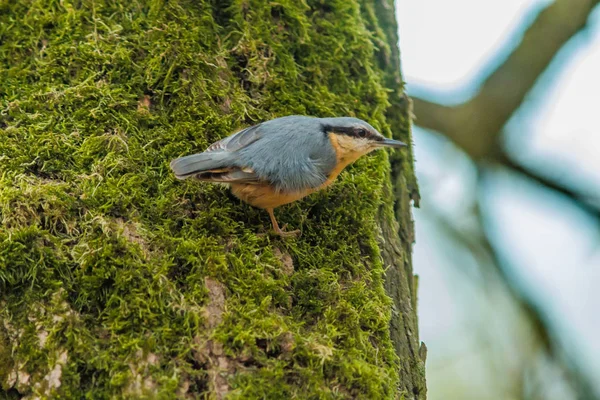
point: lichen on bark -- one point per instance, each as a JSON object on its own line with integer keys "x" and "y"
{"x": 118, "y": 280}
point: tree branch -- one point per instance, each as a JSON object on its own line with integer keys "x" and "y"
{"x": 538, "y": 317}
{"x": 476, "y": 125}
{"x": 544, "y": 330}
{"x": 588, "y": 203}
{"x": 505, "y": 89}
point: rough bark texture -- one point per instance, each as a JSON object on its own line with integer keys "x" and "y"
{"x": 116, "y": 280}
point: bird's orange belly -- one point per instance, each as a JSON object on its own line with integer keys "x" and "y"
{"x": 265, "y": 196}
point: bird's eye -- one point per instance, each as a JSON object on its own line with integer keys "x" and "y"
{"x": 362, "y": 133}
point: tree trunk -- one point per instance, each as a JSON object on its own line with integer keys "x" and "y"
{"x": 118, "y": 280}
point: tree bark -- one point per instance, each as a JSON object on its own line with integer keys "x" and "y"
{"x": 116, "y": 280}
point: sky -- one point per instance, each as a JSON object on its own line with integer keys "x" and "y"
{"x": 446, "y": 50}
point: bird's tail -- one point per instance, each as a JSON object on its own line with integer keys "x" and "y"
{"x": 187, "y": 166}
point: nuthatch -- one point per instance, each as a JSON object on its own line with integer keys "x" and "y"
{"x": 282, "y": 160}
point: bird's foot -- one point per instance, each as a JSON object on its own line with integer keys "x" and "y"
{"x": 277, "y": 229}
{"x": 283, "y": 233}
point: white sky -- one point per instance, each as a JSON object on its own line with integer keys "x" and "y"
{"x": 446, "y": 48}
{"x": 445, "y": 45}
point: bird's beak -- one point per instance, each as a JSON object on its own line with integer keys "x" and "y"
{"x": 391, "y": 143}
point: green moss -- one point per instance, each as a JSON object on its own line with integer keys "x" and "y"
{"x": 104, "y": 255}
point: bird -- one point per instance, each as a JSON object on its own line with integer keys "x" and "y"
{"x": 282, "y": 160}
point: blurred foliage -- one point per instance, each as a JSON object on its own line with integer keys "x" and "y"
{"x": 476, "y": 128}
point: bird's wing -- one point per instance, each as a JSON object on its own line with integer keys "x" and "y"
{"x": 215, "y": 163}
{"x": 229, "y": 175}
{"x": 237, "y": 141}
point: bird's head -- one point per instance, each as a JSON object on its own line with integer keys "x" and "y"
{"x": 353, "y": 137}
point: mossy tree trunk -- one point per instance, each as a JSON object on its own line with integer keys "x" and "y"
{"x": 118, "y": 280}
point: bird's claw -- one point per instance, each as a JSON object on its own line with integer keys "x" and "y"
{"x": 283, "y": 233}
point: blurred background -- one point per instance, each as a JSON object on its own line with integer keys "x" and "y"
{"x": 507, "y": 104}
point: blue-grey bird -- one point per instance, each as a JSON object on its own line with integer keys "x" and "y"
{"x": 282, "y": 160}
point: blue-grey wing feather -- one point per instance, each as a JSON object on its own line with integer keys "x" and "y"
{"x": 294, "y": 154}
{"x": 233, "y": 175}
{"x": 291, "y": 153}
{"x": 219, "y": 155}
{"x": 237, "y": 141}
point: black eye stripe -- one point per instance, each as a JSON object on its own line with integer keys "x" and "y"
{"x": 357, "y": 132}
